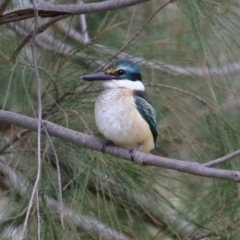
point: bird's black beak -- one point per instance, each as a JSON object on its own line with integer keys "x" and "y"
{"x": 99, "y": 76}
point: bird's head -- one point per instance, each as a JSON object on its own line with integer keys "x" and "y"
{"x": 118, "y": 74}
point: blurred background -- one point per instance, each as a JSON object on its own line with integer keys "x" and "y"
{"x": 189, "y": 56}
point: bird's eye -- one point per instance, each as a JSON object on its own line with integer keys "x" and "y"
{"x": 120, "y": 72}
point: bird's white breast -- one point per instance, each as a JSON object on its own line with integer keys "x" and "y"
{"x": 118, "y": 120}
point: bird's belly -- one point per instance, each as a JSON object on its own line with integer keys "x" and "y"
{"x": 125, "y": 127}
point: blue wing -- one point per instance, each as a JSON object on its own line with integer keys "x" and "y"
{"x": 147, "y": 112}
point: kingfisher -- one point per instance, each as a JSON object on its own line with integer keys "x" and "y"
{"x": 123, "y": 112}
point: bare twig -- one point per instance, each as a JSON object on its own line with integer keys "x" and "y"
{"x": 222, "y": 159}
{"x": 143, "y": 159}
{"x": 46, "y": 9}
{"x": 39, "y": 94}
{"x": 59, "y": 180}
{"x": 3, "y": 6}
{"x": 204, "y": 72}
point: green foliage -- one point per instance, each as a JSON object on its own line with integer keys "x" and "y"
{"x": 140, "y": 203}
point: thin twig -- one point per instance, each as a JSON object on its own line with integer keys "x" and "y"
{"x": 143, "y": 159}
{"x": 60, "y": 199}
{"x": 222, "y": 159}
{"x": 204, "y": 72}
{"x": 39, "y": 95}
{"x": 169, "y": 68}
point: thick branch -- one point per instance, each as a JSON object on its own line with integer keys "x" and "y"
{"x": 46, "y": 9}
{"x": 141, "y": 158}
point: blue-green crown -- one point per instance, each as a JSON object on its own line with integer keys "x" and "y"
{"x": 124, "y": 69}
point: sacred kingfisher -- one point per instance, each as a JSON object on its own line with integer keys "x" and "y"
{"x": 123, "y": 113}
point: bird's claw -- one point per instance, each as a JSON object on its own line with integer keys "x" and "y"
{"x": 105, "y": 144}
{"x": 132, "y": 154}
{"x": 133, "y": 151}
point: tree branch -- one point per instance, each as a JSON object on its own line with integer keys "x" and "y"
{"x": 61, "y": 11}
{"x": 222, "y": 159}
{"x": 46, "y": 9}
{"x": 143, "y": 159}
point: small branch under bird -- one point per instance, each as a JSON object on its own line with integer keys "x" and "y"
{"x": 123, "y": 113}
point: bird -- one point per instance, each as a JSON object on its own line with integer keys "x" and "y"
{"x": 123, "y": 112}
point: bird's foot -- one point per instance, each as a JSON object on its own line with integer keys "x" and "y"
{"x": 133, "y": 151}
{"x": 132, "y": 154}
{"x": 105, "y": 144}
